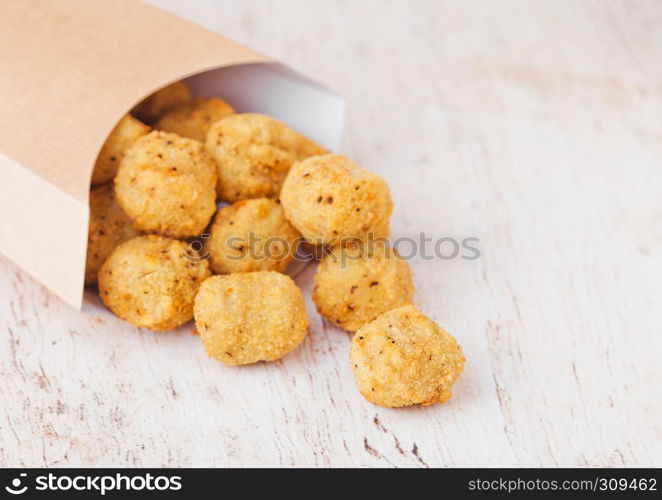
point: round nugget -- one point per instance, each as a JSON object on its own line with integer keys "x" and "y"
{"x": 162, "y": 101}
{"x": 251, "y": 235}
{"x": 151, "y": 281}
{"x": 193, "y": 120}
{"x": 109, "y": 226}
{"x": 121, "y": 138}
{"x": 404, "y": 358}
{"x": 254, "y": 153}
{"x": 244, "y": 318}
{"x": 166, "y": 185}
{"x": 356, "y": 283}
{"x": 329, "y": 198}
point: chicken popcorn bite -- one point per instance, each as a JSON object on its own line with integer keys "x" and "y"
{"x": 251, "y": 235}
{"x": 166, "y": 185}
{"x": 162, "y": 101}
{"x": 356, "y": 283}
{"x": 151, "y": 281}
{"x": 244, "y": 318}
{"x": 403, "y": 358}
{"x": 253, "y": 153}
{"x": 193, "y": 120}
{"x": 109, "y": 226}
{"x": 329, "y": 198}
{"x": 121, "y": 138}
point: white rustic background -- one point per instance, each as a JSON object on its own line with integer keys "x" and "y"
{"x": 534, "y": 126}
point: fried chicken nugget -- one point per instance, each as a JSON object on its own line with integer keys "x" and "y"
{"x": 109, "y": 226}
{"x": 194, "y": 120}
{"x": 121, "y": 138}
{"x": 151, "y": 281}
{"x": 251, "y": 235}
{"x": 166, "y": 185}
{"x": 254, "y": 153}
{"x": 162, "y": 101}
{"x": 356, "y": 283}
{"x": 404, "y": 358}
{"x": 244, "y": 318}
{"x": 329, "y": 198}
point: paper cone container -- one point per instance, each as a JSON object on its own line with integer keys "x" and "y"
{"x": 70, "y": 70}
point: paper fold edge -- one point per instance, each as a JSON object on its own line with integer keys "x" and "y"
{"x": 41, "y": 219}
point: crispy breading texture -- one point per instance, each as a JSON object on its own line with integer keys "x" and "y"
{"x": 404, "y": 358}
{"x": 151, "y": 281}
{"x": 251, "y": 235}
{"x": 193, "y": 120}
{"x": 127, "y": 131}
{"x": 244, "y": 318}
{"x": 253, "y": 153}
{"x": 166, "y": 185}
{"x": 329, "y": 198}
{"x": 109, "y": 226}
{"x": 358, "y": 282}
{"x": 162, "y": 101}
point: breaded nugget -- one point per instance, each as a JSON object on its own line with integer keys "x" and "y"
{"x": 162, "y": 101}
{"x": 244, "y": 318}
{"x": 151, "y": 281}
{"x": 166, "y": 185}
{"x": 193, "y": 120}
{"x": 251, "y": 235}
{"x": 109, "y": 226}
{"x": 356, "y": 283}
{"x": 254, "y": 153}
{"x": 329, "y": 198}
{"x": 125, "y": 133}
{"x": 404, "y": 358}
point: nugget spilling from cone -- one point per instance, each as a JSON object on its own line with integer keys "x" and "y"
{"x": 196, "y": 211}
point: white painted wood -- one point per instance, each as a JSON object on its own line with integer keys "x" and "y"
{"x": 534, "y": 126}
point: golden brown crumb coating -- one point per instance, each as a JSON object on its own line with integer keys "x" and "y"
{"x": 356, "y": 283}
{"x": 121, "y": 138}
{"x": 109, "y": 226}
{"x": 162, "y": 101}
{"x": 329, "y": 198}
{"x": 404, "y": 358}
{"x": 166, "y": 185}
{"x": 193, "y": 120}
{"x": 254, "y": 153}
{"x": 151, "y": 281}
{"x": 244, "y": 318}
{"x": 251, "y": 235}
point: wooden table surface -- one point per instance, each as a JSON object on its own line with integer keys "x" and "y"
{"x": 533, "y": 126}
